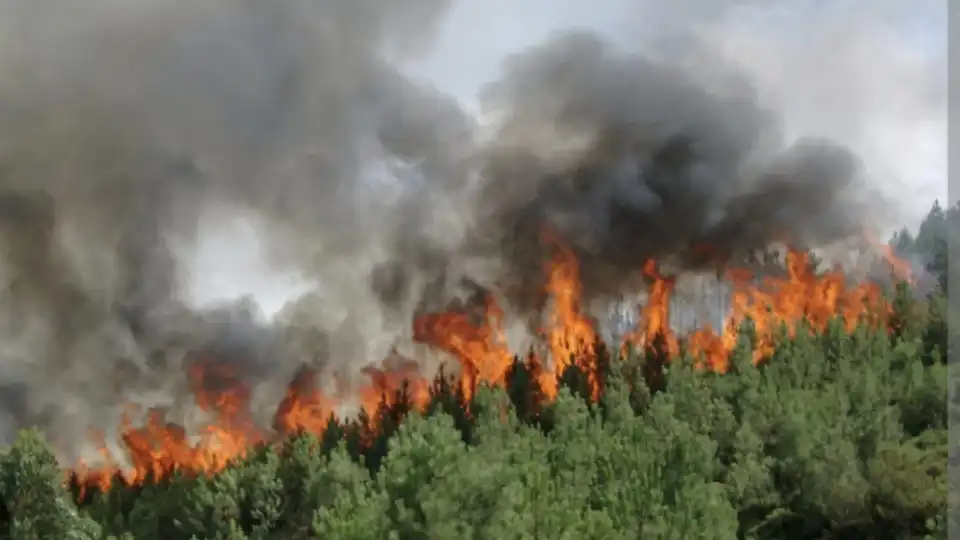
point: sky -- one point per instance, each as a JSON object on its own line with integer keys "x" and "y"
{"x": 870, "y": 74}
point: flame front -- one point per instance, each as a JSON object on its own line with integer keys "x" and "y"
{"x": 477, "y": 342}
{"x": 777, "y": 302}
{"x": 481, "y": 349}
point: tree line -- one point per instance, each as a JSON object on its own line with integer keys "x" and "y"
{"x": 833, "y": 435}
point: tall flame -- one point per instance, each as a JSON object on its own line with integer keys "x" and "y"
{"x": 570, "y": 336}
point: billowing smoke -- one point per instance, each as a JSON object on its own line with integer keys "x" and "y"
{"x": 122, "y": 121}
{"x": 629, "y": 159}
{"x": 624, "y": 159}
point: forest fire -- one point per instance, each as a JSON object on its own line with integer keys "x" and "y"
{"x": 404, "y": 230}
{"x": 157, "y": 448}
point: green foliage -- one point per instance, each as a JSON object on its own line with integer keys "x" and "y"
{"x": 931, "y": 243}
{"x": 835, "y": 435}
{"x": 34, "y": 501}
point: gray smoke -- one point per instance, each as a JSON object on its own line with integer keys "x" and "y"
{"x": 627, "y": 159}
{"x": 122, "y": 121}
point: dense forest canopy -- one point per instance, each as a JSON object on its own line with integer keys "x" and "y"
{"x": 929, "y": 246}
{"x": 832, "y": 433}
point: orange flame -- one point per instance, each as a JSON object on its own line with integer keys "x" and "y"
{"x": 778, "y": 302}
{"x": 569, "y": 335}
{"x": 901, "y": 268}
{"x": 655, "y": 315}
{"x": 482, "y": 349}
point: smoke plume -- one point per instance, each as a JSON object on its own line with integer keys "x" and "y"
{"x": 122, "y": 121}
{"x": 626, "y": 159}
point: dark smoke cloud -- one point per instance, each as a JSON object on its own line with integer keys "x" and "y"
{"x": 122, "y": 122}
{"x": 629, "y": 159}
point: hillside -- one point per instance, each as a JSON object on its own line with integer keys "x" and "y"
{"x": 833, "y": 435}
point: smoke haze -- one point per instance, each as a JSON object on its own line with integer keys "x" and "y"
{"x": 123, "y": 124}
